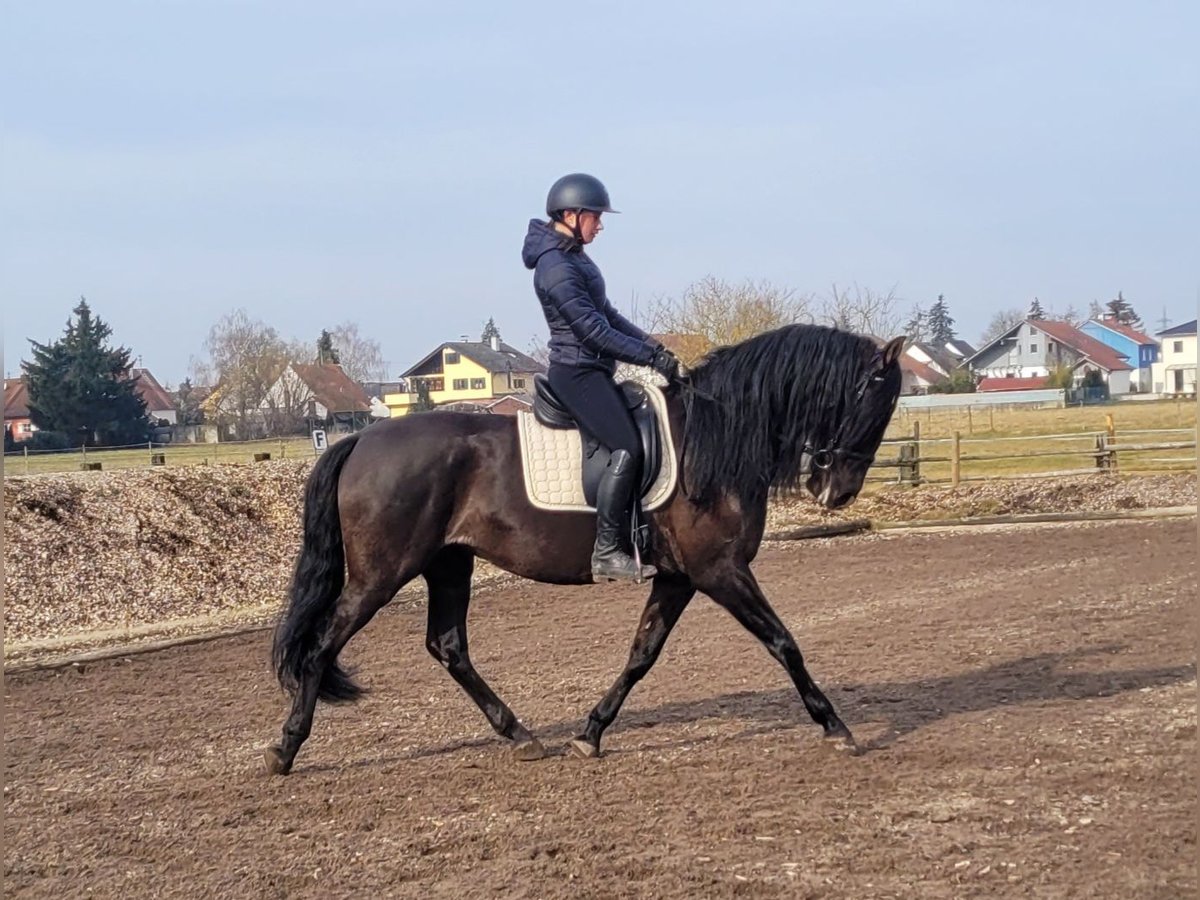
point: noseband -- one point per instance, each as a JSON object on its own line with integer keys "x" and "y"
{"x": 823, "y": 457}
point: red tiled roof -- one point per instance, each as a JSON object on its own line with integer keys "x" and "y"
{"x": 1101, "y": 354}
{"x": 926, "y": 373}
{"x": 16, "y": 399}
{"x": 333, "y": 388}
{"x": 1012, "y": 384}
{"x": 152, "y": 393}
{"x": 1128, "y": 330}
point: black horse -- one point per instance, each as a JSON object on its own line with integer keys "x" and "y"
{"x": 424, "y": 495}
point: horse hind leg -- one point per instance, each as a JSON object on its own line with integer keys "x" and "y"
{"x": 449, "y": 580}
{"x": 322, "y": 676}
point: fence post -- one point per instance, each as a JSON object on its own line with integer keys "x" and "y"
{"x": 916, "y": 449}
{"x": 1112, "y": 440}
{"x": 970, "y": 422}
{"x": 26, "y": 459}
{"x": 906, "y": 464}
{"x": 955, "y": 460}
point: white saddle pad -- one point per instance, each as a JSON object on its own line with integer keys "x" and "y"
{"x": 552, "y": 462}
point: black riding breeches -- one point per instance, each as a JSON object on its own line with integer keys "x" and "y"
{"x": 597, "y": 405}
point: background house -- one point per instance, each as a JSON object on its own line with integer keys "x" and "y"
{"x": 160, "y": 405}
{"x": 1036, "y": 347}
{"x": 1175, "y": 373}
{"x": 1139, "y": 349}
{"x": 917, "y": 377}
{"x": 459, "y": 371}
{"x": 319, "y": 395}
{"x": 16, "y": 410}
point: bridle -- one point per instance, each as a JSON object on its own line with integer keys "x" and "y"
{"x": 823, "y": 457}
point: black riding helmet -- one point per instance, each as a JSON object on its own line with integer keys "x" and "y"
{"x": 577, "y": 191}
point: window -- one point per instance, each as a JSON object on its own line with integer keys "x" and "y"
{"x": 1049, "y": 346}
{"x": 1033, "y": 348}
{"x": 435, "y": 384}
{"x": 1177, "y": 346}
{"x": 518, "y": 382}
{"x": 26, "y": 428}
{"x": 451, "y": 357}
{"x": 478, "y": 384}
{"x": 460, "y": 384}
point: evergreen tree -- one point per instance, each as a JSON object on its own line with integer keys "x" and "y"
{"x": 1122, "y": 310}
{"x": 424, "y": 401}
{"x": 917, "y": 324}
{"x": 1035, "y": 310}
{"x": 939, "y": 323}
{"x": 187, "y": 402}
{"x": 326, "y": 352}
{"x": 490, "y": 331}
{"x": 80, "y": 386}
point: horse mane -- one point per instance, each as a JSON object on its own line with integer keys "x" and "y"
{"x": 770, "y": 395}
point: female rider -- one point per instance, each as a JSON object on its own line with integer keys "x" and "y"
{"x": 587, "y": 339}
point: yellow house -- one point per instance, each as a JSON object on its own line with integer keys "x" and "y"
{"x": 466, "y": 370}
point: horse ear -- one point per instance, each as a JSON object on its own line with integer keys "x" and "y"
{"x": 892, "y": 349}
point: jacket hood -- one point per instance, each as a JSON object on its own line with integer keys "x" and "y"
{"x": 541, "y": 238}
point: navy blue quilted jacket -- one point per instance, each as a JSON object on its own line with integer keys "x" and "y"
{"x": 585, "y": 329}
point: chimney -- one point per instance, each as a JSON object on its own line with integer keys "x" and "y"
{"x": 494, "y": 340}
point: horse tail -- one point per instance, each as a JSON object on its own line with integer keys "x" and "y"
{"x": 317, "y": 583}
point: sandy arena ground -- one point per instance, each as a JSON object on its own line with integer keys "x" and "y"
{"x": 1027, "y": 698}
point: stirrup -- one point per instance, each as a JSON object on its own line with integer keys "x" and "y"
{"x": 620, "y": 566}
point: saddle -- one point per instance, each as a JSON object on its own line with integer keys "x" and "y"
{"x": 550, "y": 412}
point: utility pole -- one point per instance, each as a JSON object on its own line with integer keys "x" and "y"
{"x": 1164, "y": 321}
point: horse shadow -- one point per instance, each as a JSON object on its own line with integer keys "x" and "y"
{"x": 903, "y": 707}
{"x": 908, "y": 706}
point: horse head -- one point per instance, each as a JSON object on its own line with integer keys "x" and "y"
{"x": 838, "y": 468}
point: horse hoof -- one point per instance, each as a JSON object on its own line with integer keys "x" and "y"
{"x": 583, "y": 749}
{"x": 276, "y": 764}
{"x": 843, "y": 742}
{"x": 528, "y": 751}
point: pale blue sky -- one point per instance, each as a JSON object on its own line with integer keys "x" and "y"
{"x": 378, "y": 162}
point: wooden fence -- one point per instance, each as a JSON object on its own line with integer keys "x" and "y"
{"x": 1095, "y": 451}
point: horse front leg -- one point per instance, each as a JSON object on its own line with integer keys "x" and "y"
{"x": 738, "y": 591}
{"x": 668, "y": 599}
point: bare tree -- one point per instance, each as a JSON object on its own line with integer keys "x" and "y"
{"x": 361, "y": 356}
{"x": 863, "y": 311}
{"x": 287, "y": 404}
{"x": 712, "y": 312}
{"x": 538, "y": 350}
{"x": 247, "y": 357}
{"x": 1002, "y": 322}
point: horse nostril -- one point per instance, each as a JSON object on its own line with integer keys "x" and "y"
{"x": 842, "y": 500}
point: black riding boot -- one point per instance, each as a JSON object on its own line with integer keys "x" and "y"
{"x": 613, "y": 495}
